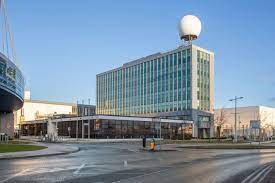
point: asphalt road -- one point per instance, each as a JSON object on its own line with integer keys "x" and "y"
{"x": 125, "y": 163}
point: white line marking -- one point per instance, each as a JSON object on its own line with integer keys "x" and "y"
{"x": 266, "y": 173}
{"x": 15, "y": 175}
{"x": 79, "y": 168}
{"x": 252, "y": 174}
{"x": 259, "y": 174}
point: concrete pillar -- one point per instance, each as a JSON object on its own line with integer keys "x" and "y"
{"x": 212, "y": 126}
{"x": 195, "y": 124}
{"x": 212, "y": 131}
{"x": 7, "y": 124}
{"x": 82, "y": 135}
{"x": 89, "y": 129}
{"x": 182, "y": 131}
{"x": 35, "y": 130}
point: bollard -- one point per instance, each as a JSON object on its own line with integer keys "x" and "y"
{"x": 152, "y": 145}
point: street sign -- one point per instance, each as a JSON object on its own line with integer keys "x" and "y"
{"x": 255, "y": 124}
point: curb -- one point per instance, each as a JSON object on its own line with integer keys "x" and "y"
{"x": 40, "y": 155}
{"x": 158, "y": 150}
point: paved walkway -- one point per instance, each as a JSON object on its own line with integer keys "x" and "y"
{"x": 53, "y": 149}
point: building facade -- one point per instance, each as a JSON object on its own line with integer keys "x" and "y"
{"x": 247, "y": 117}
{"x": 178, "y": 84}
{"x": 33, "y": 110}
{"x": 11, "y": 93}
{"x": 105, "y": 127}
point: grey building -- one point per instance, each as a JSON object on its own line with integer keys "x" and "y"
{"x": 177, "y": 84}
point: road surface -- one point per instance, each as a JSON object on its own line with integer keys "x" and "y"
{"x": 125, "y": 163}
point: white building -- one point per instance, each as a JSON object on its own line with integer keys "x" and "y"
{"x": 247, "y": 117}
{"x": 38, "y": 110}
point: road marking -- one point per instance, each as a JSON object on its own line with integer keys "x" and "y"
{"x": 251, "y": 175}
{"x": 79, "y": 168}
{"x": 257, "y": 173}
{"x": 266, "y": 173}
{"x": 13, "y": 176}
{"x": 260, "y": 173}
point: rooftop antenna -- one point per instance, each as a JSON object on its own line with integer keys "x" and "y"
{"x": 189, "y": 28}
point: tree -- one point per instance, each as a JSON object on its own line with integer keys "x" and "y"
{"x": 265, "y": 126}
{"x": 220, "y": 120}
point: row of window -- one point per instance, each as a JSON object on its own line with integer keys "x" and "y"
{"x": 11, "y": 77}
{"x": 162, "y": 84}
{"x": 142, "y": 88}
{"x": 203, "y": 83}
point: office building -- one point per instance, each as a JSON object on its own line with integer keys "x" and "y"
{"x": 178, "y": 84}
{"x": 169, "y": 91}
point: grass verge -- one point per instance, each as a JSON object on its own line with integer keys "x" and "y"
{"x": 19, "y": 142}
{"x": 5, "y": 148}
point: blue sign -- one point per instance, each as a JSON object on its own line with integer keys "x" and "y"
{"x": 255, "y": 124}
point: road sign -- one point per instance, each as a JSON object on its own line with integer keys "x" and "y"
{"x": 255, "y": 124}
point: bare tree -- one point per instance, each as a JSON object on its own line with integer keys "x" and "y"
{"x": 220, "y": 120}
{"x": 264, "y": 124}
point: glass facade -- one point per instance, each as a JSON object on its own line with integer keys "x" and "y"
{"x": 160, "y": 83}
{"x": 203, "y": 74}
{"x": 11, "y": 77}
{"x": 104, "y": 128}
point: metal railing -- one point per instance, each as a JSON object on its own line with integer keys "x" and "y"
{"x": 4, "y": 138}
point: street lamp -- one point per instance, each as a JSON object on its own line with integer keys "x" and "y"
{"x": 235, "y": 100}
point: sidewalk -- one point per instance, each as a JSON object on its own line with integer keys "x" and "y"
{"x": 53, "y": 149}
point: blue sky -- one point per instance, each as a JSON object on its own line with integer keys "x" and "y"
{"x": 63, "y": 44}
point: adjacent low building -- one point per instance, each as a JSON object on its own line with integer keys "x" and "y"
{"x": 252, "y": 122}
{"x": 34, "y": 110}
{"x": 106, "y": 126}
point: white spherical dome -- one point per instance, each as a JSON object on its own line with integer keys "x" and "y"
{"x": 189, "y": 27}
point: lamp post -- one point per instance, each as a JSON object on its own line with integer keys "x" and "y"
{"x": 76, "y": 120}
{"x": 235, "y": 130}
